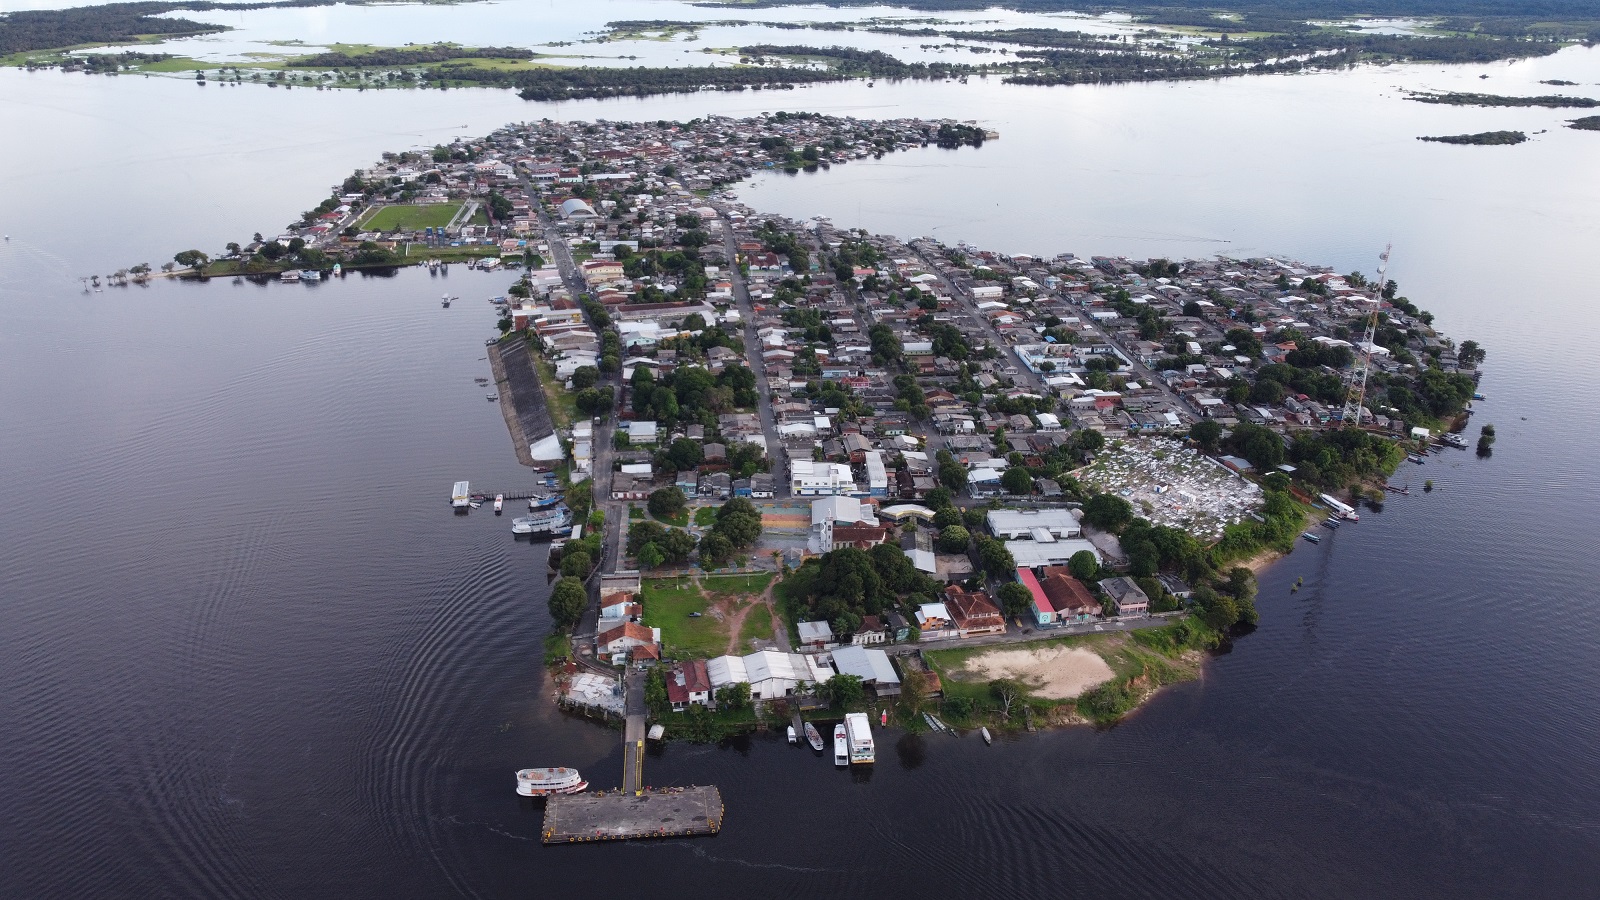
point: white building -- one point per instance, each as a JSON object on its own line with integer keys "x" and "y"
{"x": 1014, "y": 524}
{"x": 830, "y": 511}
{"x": 771, "y": 674}
{"x": 808, "y": 478}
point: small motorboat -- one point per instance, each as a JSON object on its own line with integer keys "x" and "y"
{"x": 813, "y": 737}
{"x": 987, "y": 737}
{"x": 1330, "y": 523}
{"x": 883, "y": 717}
{"x": 793, "y": 738}
{"x": 1311, "y": 537}
{"x": 841, "y": 746}
{"x": 499, "y": 503}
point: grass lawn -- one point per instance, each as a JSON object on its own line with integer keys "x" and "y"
{"x": 705, "y": 516}
{"x": 752, "y": 584}
{"x": 667, "y": 605}
{"x": 757, "y": 626}
{"x": 451, "y": 254}
{"x": 410, "y": 217}
{"x": 635, "y": 512}
{"x": 679, "y": 519}
{"x": 563, "y": 404}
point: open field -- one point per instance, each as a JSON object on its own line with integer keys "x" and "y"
{"x": 731, "y": 614}
{"x": 409, "y": 217}
{"x": 667, "y": 605}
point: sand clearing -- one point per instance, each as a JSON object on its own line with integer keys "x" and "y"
{"x": 1055, "y": 673}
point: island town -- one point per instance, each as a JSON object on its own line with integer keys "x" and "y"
{"x": 796, "y": 474}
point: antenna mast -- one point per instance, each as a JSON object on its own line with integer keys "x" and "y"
{"x": 1357, "y": 396}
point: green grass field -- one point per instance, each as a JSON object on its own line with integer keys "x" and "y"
{"x": 410, "y": 217}
{"x": 667, "y": 605}
{"x": 705, "y": 516}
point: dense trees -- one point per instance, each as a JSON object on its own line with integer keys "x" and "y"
{"x": 843, "y": 585}
{"x": 567, "y": 601}
{"x": 1016, "y": 480}
{"x": 953, "y": 539}
{"x": 1206, "y": 433}
{"x": 664, "y": 503}
{"x": 1084, "y": 566}
{"x": 1014, "y": 598}
{"x": 738, "y": 522}
{"x": 1107, "y": 512}
{"x": 649, "y": 540}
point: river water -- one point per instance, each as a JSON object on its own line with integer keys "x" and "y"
{"x": 247, "y": 651}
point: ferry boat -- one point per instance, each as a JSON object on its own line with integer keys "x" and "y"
{"x": 545, "y": 782}
{"x": 813, "y": 737}
{"x": 461, "y": 495}
{"x": 1311, "y": 537}
{"x": 555, "y": 522}
{"x": 859, "y": 729}
{"x": 841, "y": 746}
{"x": 499, "y": 503}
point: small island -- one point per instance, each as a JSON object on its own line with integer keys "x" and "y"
{"x": 1485, "y": 138}
{"x": 1548, "y": 101}
{"x": 1587, "y": 123}
{"x": 812, "y": 471}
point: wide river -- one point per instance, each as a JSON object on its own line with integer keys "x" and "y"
{"x": 247, "y": 652}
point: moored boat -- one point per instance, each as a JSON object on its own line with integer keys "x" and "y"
{"x": 499, "y": 503}
{"x": 554, "y": 522}
{"x": 813, "y": 737}
{"x": 987, "y": 737}
{"x": 793, "y": 738}
{"x": 841, "y": 746}
{"x": 548, "y": 781}
{"x": 1311, "y": 537}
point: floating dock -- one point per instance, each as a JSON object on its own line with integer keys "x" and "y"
{"x": 653, "y": 813}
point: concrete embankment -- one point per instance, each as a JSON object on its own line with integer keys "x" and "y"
{"x": 522, "y": 402}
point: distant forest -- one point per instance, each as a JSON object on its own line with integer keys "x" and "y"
{"x": 114, "y": 23}
{"x": 407, "y": 56}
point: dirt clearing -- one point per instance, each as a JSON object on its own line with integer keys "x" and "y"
{"x": 1054, "y": 673}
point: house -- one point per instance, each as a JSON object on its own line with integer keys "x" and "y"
{"x": 618, "y": 641}
{"x": 761, "y": 486}
{"x": 973, "y": 613}
{"x": 816, "y": 636}
{"x": 641, "y": 433}
{"x": 872, "y": 631}
{"x": 1129, "y": 598}
{"x": 1071, "y": 598}
{"x": 898, "y": 628}
{"x": 689, "y": 684}
{"x": 1044, "y": 611}
{"x": 871, "y": 665}
{"x": 936, "y": 623}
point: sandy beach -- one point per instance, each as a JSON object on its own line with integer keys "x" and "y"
{"x": 1055, "y": 673}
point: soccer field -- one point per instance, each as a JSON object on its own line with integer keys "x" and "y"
{"x": 410, "y": 218}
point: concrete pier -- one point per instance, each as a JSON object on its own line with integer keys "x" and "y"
{"x": 654, "y": 813}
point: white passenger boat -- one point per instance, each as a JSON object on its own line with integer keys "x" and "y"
{"x": 841, "y": 746}
{"x": 499, "y": 503}
{"x": 544, "y": 782}
{"x": 554, "y": 522}
{"x": 859, "y": 729}
{"x": 793, "y": 738}
{"x": 290, "y": 277}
